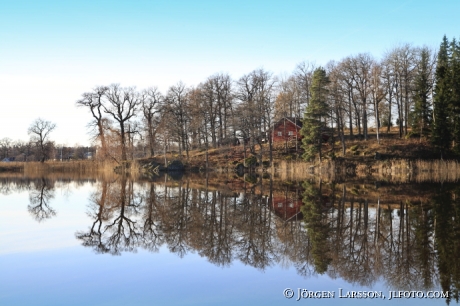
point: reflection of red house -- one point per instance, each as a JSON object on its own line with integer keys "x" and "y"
{"x": 287, "y": 208}
{"x": 287, "y": 128}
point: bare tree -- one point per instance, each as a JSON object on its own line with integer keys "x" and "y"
{"x": 353, "y": 106}
{"x": 255, "y": 111}
{"x": 151, "y": 99}
{"x": 217, "y": 97}
{"x": 122, "y": 104}
{"x": 39, "y": 131}
{"x": 337, "y": 92}
{"x": 22, "y": 148}
{"x": 377, "y": 94}
{"x": 401, "y": 61}
{"x": 303, "y": 76}
{"x": 210, "y": 107}
{"x": 5, "y": 146}
{"x": 390, "y": 83}
{"x": 359, "y": 68}
{"x": 93, "y": 101}
{"x": 225, "y": 105}
{"x": 177, "y": 105}
{"x": 201, "y": 116}
{"x": 287, "y": 102}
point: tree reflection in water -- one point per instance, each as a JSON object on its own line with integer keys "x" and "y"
{"x": 446, "y": 203}
{"x": 406, "y": 235}
{"x": 412, "y": 245}
{"x": 98, "y": 212}
{"x": 318, "y": 226}
{"x": 117, "y": 205}
{"x": 358, "y": 233}
{"x": 39, "y": 198}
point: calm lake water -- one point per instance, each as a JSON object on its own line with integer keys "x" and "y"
{"x": 226, "y": 241}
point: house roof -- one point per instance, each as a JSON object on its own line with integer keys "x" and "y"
{"x": 296, "y": 121}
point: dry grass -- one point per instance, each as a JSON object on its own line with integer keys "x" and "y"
{"x": 70, "y": 169}
{"x": 404, "y": 170}
{"x": 298, "y": 170}
{"x": 436, "y": 171}
{"x": 84, "y": 166}
{"x": 394, "y": 170}
{"x": 11, "y": 167}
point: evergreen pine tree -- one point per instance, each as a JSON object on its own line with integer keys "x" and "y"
{"x": 441, "y": 135}
{"x": 422, "y": 113}
{"x": 315, "y": 115}
{"x": 454, "y": 107}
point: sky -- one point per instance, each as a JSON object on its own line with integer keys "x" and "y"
{"x": 51, "y": 52}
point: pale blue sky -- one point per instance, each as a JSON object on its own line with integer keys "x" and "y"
{"x": 53, "y": 51}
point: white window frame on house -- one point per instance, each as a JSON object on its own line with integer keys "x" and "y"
{"x": 280, "y": 133}
{"x": 290, "y": 133}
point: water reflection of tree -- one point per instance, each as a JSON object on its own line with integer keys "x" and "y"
{"x": 218, "y": 226}
{"x": 446, "y": 204}
{"x": 6, "y": 187}
{"x": 152, "y": 234}
{"x": 98, "y": 212}
{"x": 10, "y": 185}
{"x": 254, "y": 245}
{"x": 422, "y": 222}
{"x": 318, "y": 226}
{"x": 116, "y": 205}
{"x": 353, "y": 239}
{"x": 123, "y": 233}
{"x": 342, "y": 234}
{"x": 39, "y": 198}
{"x": 293, "y": 246}
{"x": 177, "y": 226}
{"x": 361, "y": 244}
{"x": 214, "y": 235}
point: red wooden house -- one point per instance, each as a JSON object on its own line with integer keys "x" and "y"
{"x": 287, "y": 128}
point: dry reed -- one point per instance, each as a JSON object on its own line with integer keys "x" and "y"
{"x": 436, "y": 171}
{"x": 88, "y": 167}
{"x": 70, "y": 169}
{"x": 11, "y": 167}
{"x": 295, "y": 170}
{"x": 395, "y": 170}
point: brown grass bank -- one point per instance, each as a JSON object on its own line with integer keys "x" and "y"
{"x": 12, "y": 167}
{"x": 84, "y": 167}
{"x": 396, "y": 170}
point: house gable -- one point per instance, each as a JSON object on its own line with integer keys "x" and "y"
{"x": 286, "y": 129}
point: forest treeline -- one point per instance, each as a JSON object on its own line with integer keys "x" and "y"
{"x": 41, "y": 147}
{"x": 414, "y": 88}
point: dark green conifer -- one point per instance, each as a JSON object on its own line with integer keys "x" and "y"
{"x": 454, "y": 107}
{"x": 315, "y": 115}
{"x": 422, "y": 115}
{"x": 441, "y": 135}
